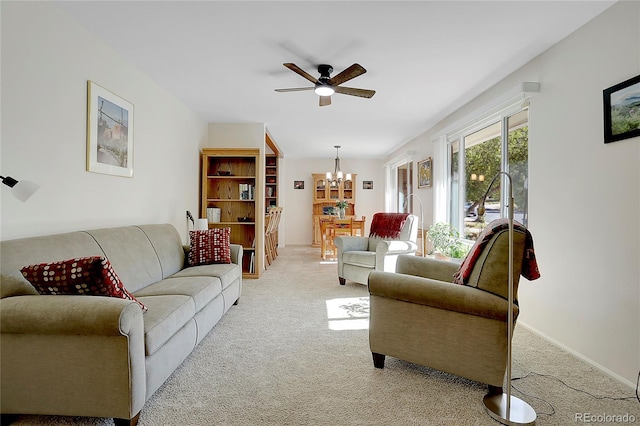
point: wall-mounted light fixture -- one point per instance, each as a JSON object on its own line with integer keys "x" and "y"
{"x": 22, "y": 190}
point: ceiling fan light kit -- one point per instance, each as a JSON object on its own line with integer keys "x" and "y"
{"x": 325, "y": 85}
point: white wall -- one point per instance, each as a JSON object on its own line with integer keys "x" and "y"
{"x": 47, "y": 59}
{"x": 298, "y": 203}
{"x": 584, "y": 195}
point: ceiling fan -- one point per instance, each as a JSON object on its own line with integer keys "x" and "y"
{"x": 325, "y": 86}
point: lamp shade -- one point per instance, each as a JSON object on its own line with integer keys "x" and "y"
{"x": 22, "y": 190}
{"x": 324, "y": 89}
{"x": 201, "y": 225}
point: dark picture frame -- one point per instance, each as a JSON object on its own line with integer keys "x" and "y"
{"x": 298, "y": 184}
{"x": 425, "y": 173}
{"x": 367, "y": 184}
{"x": 622, "y": 110}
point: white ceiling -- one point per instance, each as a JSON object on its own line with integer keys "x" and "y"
{"x": 424, "y": 59}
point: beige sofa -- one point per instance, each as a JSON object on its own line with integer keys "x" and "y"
{"x": 102, "y": 356}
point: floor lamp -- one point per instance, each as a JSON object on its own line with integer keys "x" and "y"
{"x": 406, "y": 201}
{"x": 507, "y": 409}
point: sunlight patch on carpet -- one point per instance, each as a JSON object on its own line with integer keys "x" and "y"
{"x": 348, "y": 313}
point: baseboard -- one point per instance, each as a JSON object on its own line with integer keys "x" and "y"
{"x": 579, "y": 355}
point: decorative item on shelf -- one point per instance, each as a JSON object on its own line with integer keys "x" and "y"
{"x": 446, "y": 241}
{"x": 244, "y": 219}
{"x": 224, "y": 170}
{"x": 213, "y": 214}
{"x": 341, "y": 207}
{"x": 507, "y": 409}
{"x": 22, "y": 190}
{"x": 337, "y": 176}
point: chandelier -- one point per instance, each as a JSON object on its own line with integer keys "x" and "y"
{"x": 336, "y": 177}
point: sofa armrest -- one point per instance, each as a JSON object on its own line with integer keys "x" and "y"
{"x": 236, "y": 253}
{"x": 52, "y": 344}
{"x": 397, "y": 247}
{"x": 347, "y": 243}
{"x": 69, "y": 315}
{"x": 439, "y": 294}
{"x": 387, "y": 252}
{"x": 436, "y": 269}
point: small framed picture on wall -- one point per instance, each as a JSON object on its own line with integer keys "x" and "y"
{"x": 425, "y": 173}
{"x": 622, "y": 110}
{"x": 367, "y": 184}
{"x": 298, "y": 184}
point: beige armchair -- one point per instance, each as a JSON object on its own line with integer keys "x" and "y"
{"x": 420, "y": 315}
{"x": 392, "y": 234}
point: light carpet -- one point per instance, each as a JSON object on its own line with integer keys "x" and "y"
{"x": 294, "y": 351}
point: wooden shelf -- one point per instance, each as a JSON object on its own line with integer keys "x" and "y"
{"x": 271, "y": 181}
{"x": 236, "y": 196}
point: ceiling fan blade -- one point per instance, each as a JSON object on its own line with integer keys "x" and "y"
{"x": 325, "y": 100}
{"x": 352, "y": 72}
{"x": 363, "y": 93}
{"x": 298, "y": 70}
{"x": 294, "y": 89}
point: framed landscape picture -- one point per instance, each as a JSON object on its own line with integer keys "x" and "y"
{"x": 109, "y": 132}
{"x": 425, "y": 173}
{"x": 622, "y": 110}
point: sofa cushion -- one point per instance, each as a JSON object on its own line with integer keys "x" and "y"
{"x": 210, "y": 246}
{"x": 167, "y": 314}
{"x": 29, "y": 251}
{"x": 87, "y": 276}
{"x": 131, "y": 254}
{"x": 168, "y": 245}
{"x": 201, "y": 289}
{"x": 228, "y": 273}
{"x": 366, "y": 259}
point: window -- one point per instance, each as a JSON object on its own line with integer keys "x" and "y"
{"x": 476, "y": 157}
{"x": 399, "y": 186}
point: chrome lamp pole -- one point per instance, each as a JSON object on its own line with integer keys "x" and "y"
{"x": 507, "y": 409}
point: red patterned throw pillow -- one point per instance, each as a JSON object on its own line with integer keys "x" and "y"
{"x": 210, "y": 246}
{"x": 89, "y": 276}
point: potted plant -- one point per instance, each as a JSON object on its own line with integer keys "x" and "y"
{"x": 446, "y": 241}
{"x": 342, "y": 206}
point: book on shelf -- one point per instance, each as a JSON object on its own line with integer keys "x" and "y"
{"x": 246, "y": 191}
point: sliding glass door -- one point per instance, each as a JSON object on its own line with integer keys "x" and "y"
{"x": 501, "y": 145}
